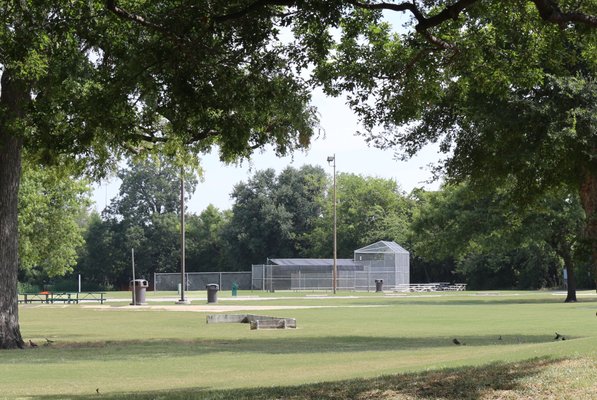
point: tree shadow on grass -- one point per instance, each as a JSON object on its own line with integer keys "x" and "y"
{"x": 489, "y": 381}
{"x": 286, "y": 344}
{"x": 473, "y": 300}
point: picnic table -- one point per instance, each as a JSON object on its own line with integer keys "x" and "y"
{"x": 62, "y": 297}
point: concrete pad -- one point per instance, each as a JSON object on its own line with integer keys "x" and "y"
{"x": 256, "y": 321}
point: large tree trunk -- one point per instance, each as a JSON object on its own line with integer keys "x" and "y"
{"x": 12, "y": 100}
{"x": 588, "y": 197}
{"x": 571, "y": 281}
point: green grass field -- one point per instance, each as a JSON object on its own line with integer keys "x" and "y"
{"x": 355, "y": 345}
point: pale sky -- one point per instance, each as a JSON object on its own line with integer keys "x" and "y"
{"x": 352, "y": 156}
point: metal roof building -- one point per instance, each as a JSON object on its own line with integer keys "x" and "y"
{"x": 317, "y": 262}
{"x": 381, "y": 260}
{"x": 386, "y": 260}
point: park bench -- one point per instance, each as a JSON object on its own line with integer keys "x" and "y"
{"x": 62, "y": 297}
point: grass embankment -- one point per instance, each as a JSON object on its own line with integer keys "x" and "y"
{"x": 371, "y": 347}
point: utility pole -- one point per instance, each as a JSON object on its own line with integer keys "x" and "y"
{"x": 332, "y": 159}
{"x": 182, "y": 300}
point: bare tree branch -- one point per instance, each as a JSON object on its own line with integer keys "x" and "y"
{"x": 437, "y": 42}
{"x": 548, "y": 10}
{"x": 204, "y": 134}
{"x": 390, "y": 6}
{"x": 124, "y": 14}
{"x": 423, "y": 22}
{"x": 251, "y": 8}
{"x": 139, "y": 19}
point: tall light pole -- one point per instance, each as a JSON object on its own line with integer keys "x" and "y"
{"x": 332, "y": 159}
{"x": 182, "y": 242}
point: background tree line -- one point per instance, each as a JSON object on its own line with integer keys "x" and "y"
{"x": 454, "y": 234}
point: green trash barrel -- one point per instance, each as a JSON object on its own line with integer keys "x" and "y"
{"x": 234, "y": 289}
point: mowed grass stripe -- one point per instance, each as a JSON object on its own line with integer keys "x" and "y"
{"x": 146, "y": 351}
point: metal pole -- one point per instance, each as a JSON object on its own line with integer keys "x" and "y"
{"x": 182, "y": 241}
{"x": 271, "y": 280}
{"x": 133, "y": 264}
{"x": 335, "y": 265}
{"x": 79, "y": 283}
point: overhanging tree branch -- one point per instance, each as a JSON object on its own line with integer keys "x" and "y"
{"x": 423, "y": 23}
{"x": 550, "y": 12}
{"x": 124, "y": 14}
{"x": 252, "y": 8}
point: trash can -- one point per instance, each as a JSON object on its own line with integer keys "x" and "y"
{"x": 138, "y": 288}
{"x": 212, "y": 293}
{"x": 234, "y": 289}
{"x": 379, "y": 285}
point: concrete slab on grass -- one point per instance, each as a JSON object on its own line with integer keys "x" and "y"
{"x": 256, "y": 321}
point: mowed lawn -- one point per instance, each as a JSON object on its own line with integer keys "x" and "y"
{"x": 369, "y": 346}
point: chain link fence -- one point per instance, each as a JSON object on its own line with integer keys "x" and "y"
{"x": 306, "y": 277}
{"x": 382, "y": 260}
{"x": 198, "y": 280}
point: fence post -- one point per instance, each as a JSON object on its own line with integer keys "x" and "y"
{"x": 271, "y": 280}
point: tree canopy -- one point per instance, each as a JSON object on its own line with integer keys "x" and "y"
{"x": 86, "y": 82}
{"x": 508, "y": 89}
{"x": 150, "y": 187}
{"x": 272, "y": 215}
{"x": 496, "y": 245}
{"x": 368, "y": 209}
{"x": 82, "y": 84}
{"x": 455, "y": 234}
{"x": 145, "y": 216}
{"x": 52, "y": 209}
